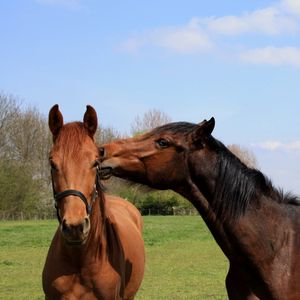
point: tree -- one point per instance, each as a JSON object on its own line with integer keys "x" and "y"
{"x": 148, "y": 121}
{"x": 9, "y": 111}
{"x": 25, "y": 144}
{"x": 244, "y": 154}
{"x": 107, "y": 134}
{"x": 20, "y": 193}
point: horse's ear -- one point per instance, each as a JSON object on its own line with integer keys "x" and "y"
{"x": 203, "y": 130}
{"x": 90, "y": 120}
{"x": 55, "y": 121}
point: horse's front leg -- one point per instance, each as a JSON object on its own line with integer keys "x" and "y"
{"x": 237, "y": 288}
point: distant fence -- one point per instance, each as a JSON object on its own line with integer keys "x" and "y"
{"x": 184, "y": 211}
{"x": 174, "y": 211}
{"x": 28, "y": 216}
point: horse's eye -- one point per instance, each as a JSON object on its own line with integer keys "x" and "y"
{"x": 162, "y": 143}
{"x": 52, "y": 165}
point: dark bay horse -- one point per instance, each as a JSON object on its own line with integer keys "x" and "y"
{"x": 256, "y": 225}
{"x": 97, "y": 251}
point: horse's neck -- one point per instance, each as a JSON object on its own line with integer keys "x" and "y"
{"x": 234, "y": 237}
{"x": 216, "y": 227}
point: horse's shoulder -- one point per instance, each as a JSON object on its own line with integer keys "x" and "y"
{"x": 117, "y": 200}
{"x": 122, "y": 211}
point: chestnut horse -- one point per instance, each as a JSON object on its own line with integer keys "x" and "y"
{"x": 256, "y": 226}
{"x": 97, "y": 251}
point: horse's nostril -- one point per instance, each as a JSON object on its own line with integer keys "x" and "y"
{"x": 86, "y": 225}
{"x": 102, "y": 152}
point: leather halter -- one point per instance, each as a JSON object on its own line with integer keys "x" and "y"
{"x": 58, "y": 196}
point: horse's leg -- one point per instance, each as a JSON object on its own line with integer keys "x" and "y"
{"x": 237, "y": 288}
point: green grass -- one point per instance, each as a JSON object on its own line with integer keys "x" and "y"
{"x": 182, "y": 259}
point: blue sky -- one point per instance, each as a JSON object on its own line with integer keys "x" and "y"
{"x": 238, "y": 61}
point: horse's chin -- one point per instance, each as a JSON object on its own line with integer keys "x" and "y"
{"x": 77, "y": 242}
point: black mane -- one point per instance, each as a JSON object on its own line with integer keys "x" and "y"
{"x": 238, "y": 185}
{"x": 174, "y": 128}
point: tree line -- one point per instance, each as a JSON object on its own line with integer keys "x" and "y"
{"x": 25, "y": 182}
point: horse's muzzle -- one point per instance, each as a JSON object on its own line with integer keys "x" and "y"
{"x": 75, "y": 234}
{"x": 105, "y": 173}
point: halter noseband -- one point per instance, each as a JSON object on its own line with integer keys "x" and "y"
{"x": 58, "y": 196}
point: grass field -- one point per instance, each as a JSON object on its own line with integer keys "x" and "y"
{"x": 182, "y": 260}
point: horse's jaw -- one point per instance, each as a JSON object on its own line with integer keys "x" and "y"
{"x": 108, "y": 168}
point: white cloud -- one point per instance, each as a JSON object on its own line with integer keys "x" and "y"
{"x": 199, "y": 35}
{"x": 182, "y": 40}
{"x": 291, "y": 6}
{"x": 70, "y": 4}
{"x": 285, "y": 56}
{"x": 267, "y": 21}
{"x": 132, "y": 45}
{"x": 269, "y": 145}
{"x": 277, "y": 145}
{"x": 187, "y": 39}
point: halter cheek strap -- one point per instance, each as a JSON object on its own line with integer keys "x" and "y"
{"x": 61, "y": 195}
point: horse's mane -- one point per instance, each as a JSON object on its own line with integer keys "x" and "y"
{"x": 238, "y": 185}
